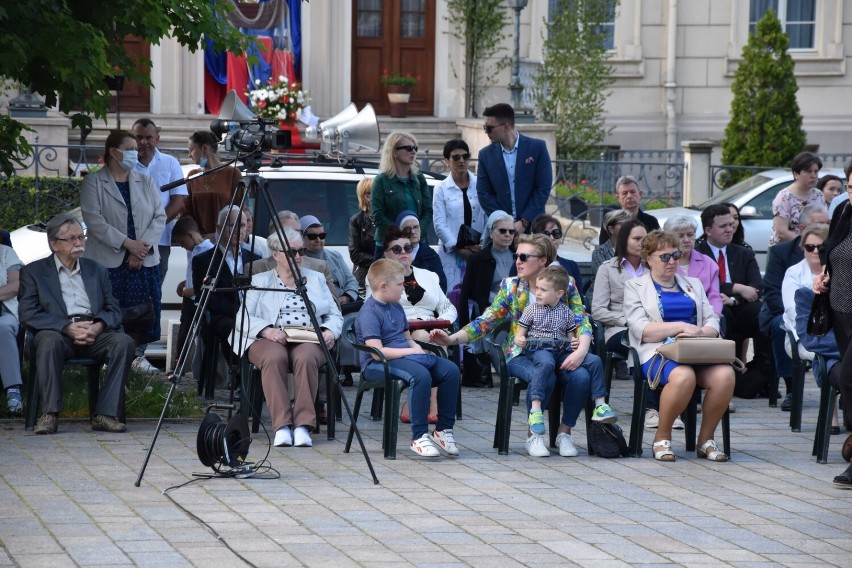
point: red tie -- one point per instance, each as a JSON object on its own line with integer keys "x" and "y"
{"x": 723, "y": 276}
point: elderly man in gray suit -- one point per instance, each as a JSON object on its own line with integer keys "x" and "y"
{"x": 67, "y": 302}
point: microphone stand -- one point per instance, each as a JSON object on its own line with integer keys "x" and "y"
{"x": 254, "y": 187}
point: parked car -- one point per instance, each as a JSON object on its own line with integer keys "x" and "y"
{"x": 326, "y": 190}
{"x": 753, "y": 196}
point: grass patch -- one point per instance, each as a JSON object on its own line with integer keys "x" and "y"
{"x": 145, "y": 395}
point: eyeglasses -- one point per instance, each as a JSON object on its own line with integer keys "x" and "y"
{"x": 554, "y": 234}
{"x": 457, "y": 157}
{"x": 667, "y": 256}
{"x": 506, "y": 231}
{"x": 489, "y": 127}
{"x": 407, "y": 148}
{"x": 74, "y": 239}
{"x": 523, "y": 257}
{"x": 849, "y": 187}
{"x": 811, "y": 247}
{"x": 293, "y": 252}
{"x": 315, "y": 236}
{"x": 396, "y": 249}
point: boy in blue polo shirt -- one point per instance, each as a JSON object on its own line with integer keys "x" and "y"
{"x": 382, "y": 324}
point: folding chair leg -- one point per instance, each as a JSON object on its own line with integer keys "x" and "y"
{"x": 637, "y": 424}
{"x": 726, "y": 433}
{"x": 798, "y": 400}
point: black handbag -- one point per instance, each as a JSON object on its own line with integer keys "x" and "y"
{"x": 819, "y": 320}
{"x": 468, "y": 236}
{"x": 607, "y": 440}
{"x": 137, "y": 319}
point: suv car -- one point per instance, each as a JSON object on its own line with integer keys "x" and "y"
{"x": 753, "y": 196}
{"x": 324, "y": 189}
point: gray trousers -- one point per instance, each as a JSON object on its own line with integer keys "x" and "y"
{"x": 10, "y": 365}
{"x": 54, "y": 348}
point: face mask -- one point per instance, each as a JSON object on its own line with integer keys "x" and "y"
{"x": 129, "y": 159}
{"x": 203, "y": 162}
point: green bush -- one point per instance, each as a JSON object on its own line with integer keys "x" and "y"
{"x": 26, "y": 200}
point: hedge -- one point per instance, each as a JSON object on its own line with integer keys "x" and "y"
{"x": 22, "y": 204}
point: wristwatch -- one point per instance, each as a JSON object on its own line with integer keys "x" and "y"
{"x": 524, "y": 222}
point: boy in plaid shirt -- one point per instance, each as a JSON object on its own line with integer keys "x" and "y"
{"x": 546, "y": 334}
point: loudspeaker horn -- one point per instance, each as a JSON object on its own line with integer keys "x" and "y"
{"x": 360, "y": 132}
{"x": 233, "y": 109}
{"x": 314, "y": 133}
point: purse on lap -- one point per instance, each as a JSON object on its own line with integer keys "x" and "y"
{"x": 300, "y": 334}
{"x": 695, "y": 351}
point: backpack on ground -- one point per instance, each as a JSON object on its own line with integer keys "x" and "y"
{"x": 607, "y": 440}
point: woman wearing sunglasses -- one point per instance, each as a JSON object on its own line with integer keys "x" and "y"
{"x": 658, "y": 306}
{"x": 422, "y": 256}
{"x": 399, "y": 186}
{"x": 455, "y": 204}
{"x": 578, "y": 370}
{"x": 273, "y": 306}
{"x": 423, "y": 298}
{"x": 549, "y": 226}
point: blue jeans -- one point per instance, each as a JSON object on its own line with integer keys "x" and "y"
{"x": 578, "y": 384}
{"x": 421, "y": 375}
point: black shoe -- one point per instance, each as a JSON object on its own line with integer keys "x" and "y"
{"x": 844, "y": 480}
{"x": 835, "y": 430}
{"x": 348, "y": 382}
{"x": 787, "y": 405}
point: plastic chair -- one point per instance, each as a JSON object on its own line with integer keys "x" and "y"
{"x": 209, "y": 359}
{"x": 93, "y": 373}
{"x": 386, "y": 390}
{"x": 827, "y": 404}
{"x": 510, "y": 388}
{"x": 800, "y": 367}
{"x": 609, "y": 358}
{"x": 637, "y": 424}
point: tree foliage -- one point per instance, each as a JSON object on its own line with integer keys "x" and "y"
{"x": 479, "y": 25}
{"x": 63, "y": 49}
{"x": 766, "y": 126}
{"x": 572, "y": 84}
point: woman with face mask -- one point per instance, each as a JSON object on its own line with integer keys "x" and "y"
{"x": 124, "y": 219}
{"x": 211, "y": 193}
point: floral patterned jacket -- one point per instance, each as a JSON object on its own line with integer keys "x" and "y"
{"x": 511, "y": 299}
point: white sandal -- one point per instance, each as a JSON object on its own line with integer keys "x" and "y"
{"x": 711, "y": 451}
{"x": 663, "y": 451}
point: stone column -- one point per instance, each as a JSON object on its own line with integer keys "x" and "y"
{"x": 49, "y": 131}
{"x": 697, "y": 185}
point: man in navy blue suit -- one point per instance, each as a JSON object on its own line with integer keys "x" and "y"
{"x": 514, "y": 172}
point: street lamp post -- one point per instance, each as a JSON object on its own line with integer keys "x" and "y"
{"x": 515, "y": 86}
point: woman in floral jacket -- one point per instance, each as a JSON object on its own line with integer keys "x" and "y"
{"x": 580, "y": 369}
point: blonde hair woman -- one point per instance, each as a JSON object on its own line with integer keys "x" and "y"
{"x": 399, "y": 186}
{"x": 362, "y": 244}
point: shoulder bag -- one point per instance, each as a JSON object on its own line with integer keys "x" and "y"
{"x": 695, "y": 351}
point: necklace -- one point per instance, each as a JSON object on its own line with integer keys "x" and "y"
{"x": 664, "y": 287}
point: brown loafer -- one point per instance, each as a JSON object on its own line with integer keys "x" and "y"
{"x": 104, "y": 423}
{"x": 846, "y": 450}
{"x": 47, "y": 424}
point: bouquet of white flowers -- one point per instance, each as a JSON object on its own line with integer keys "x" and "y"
{"x": 278, "y": 99}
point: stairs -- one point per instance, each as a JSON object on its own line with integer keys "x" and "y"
{"x": 431, "y": 132}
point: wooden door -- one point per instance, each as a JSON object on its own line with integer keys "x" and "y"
{"x": 135, "y": 97}
{"x": 397, "y": 35}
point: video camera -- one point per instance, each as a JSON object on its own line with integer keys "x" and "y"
{"x": 244, "y": 132}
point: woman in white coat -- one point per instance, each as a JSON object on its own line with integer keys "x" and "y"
{"x": 270, "y": 309}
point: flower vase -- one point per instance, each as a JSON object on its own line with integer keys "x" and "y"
{"x": 295, "y": 141}
{"x": 398, "y": 96}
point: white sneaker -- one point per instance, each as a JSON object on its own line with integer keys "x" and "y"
{"x": 536, "y": 446}
{"x": 652, "y": 419}
{"x": 566, "y": 446}
{"x": 678, "y": 424}
{"x": 143, "y": 365}
{"x": 445, "y": 441}
{"x": 283, "y": 437}
{"x": 423, "y": 446}
{"x": 302, "y": 438}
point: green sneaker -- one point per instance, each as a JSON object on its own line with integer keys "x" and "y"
{"x": 603, "y": 413}
{"x": 537, "y": 422}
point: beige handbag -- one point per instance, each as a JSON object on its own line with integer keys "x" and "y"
{"x": 300, "y": 335}
{"x": 695, "y": 351}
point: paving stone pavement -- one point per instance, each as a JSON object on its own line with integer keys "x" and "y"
{"x": 70, "y": 500}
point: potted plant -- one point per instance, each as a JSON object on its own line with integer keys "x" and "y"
{"x": 399, "y": 90}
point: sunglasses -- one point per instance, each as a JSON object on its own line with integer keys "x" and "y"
{"x": 396, "y": 249}
{"x": 315, "y": 236}
{"x": 554, "y": 234}
{"x": 667, "y": 256}
{"x": 407, "y": 148}
{"x": 523, "y": 257}
{"x": 811, "y": 247}
{"x": 293, "y": 252}
{"x": 489, "y": 127}
{"x": 506, "y": 231}
{"x": 457, "y": 157}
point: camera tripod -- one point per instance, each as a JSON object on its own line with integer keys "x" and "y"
{"x": 254, "y": 185}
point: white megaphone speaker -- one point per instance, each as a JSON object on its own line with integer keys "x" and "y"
{"x": 360, "y": 132}
{"x": 233, "y": 111}
{"x": 315, "y": 133}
